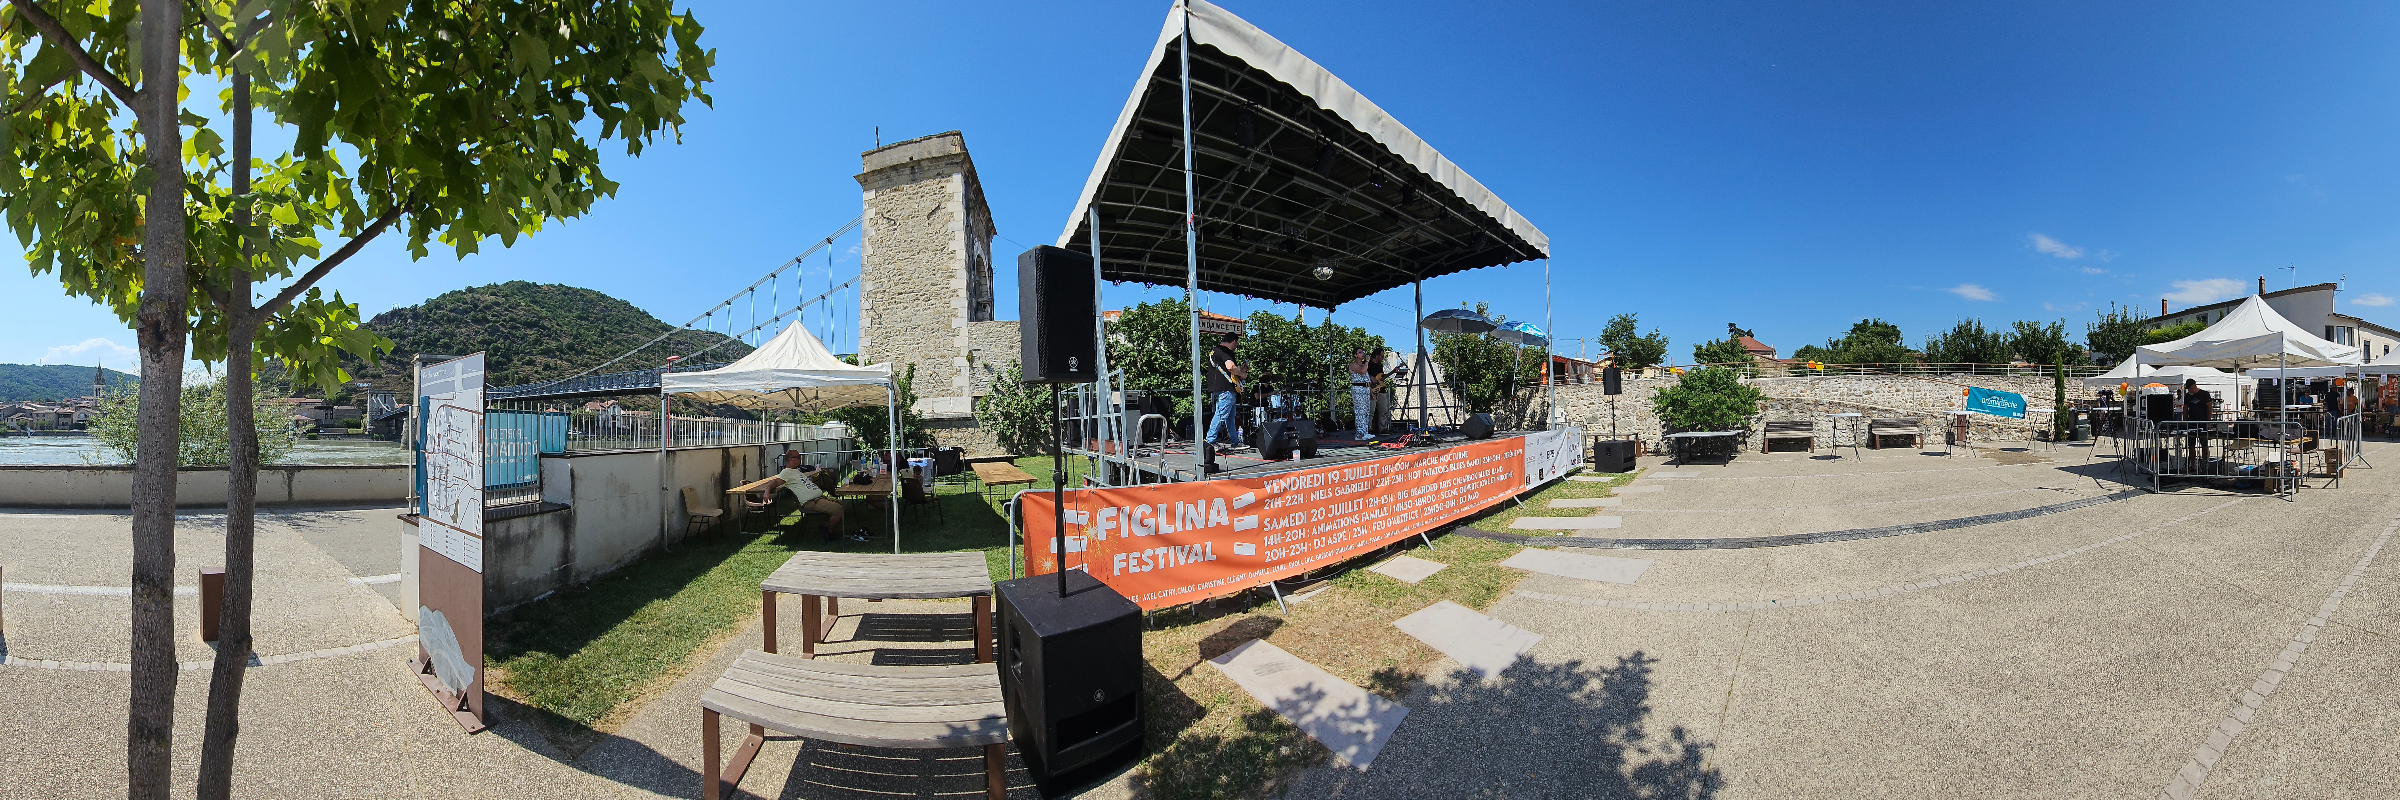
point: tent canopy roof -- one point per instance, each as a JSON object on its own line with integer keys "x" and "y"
{"x": 1295, "y": 170}
{"x": 792, "y": 371}
{"x": 2128, "y": 372}
{"x": 2389, "y": 364}
{"x": 2252, "y": 335}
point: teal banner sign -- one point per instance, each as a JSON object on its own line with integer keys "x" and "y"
{"x": 1996, "y": 403}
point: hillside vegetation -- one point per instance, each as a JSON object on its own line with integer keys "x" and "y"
{"x": 528, "y": 332}
{"x": 51, "y": 381}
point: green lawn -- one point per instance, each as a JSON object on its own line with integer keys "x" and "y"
{"x": 587, "y": 653}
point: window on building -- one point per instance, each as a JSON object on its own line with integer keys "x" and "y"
{"x": 2341, "y": 334}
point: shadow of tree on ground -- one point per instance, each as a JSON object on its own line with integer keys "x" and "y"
{"x": 1541, "y": 730}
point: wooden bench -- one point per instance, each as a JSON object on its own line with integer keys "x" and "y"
{"x": 915, "y": 707}
{"x": 1911, "y": 427}
{"x": 1789, "y": 429}
{"x": 998, "y": 474}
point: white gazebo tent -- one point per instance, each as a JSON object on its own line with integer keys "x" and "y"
{"x": 794, "y": 372}
{"x": 2251, "y": 336}
{"x": 2128, "y": 373}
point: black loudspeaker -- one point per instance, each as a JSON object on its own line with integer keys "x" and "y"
{"x": 1070, "y": 677}
{"x": 1612, "y": 381}
{"x": 1479, "y": 426}
{"x": 1279, "y": 438}
{"x": 1612, "y": 455}
{"x": 2158, "y": 407}
{"x": 1137, "y": 404}
{"x": 1055, "y": 312}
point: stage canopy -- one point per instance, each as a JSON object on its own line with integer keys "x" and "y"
{"x": 793, "y": 371}
{"x": 2250, "y": 336}
{"x": 1297, "y": 174}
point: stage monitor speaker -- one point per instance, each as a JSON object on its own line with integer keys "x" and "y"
{"x": 1055, "y": 307}
{"x": 1612, "y": 455}
{"x": 1479, "y": 426}
{"x": 2158, "y": 407}
{"x": 1137, "y": 404}
{"x": 1278, "y": 439}
{"x": 1612, "y": 381}
{"x": 1070, "y": 677}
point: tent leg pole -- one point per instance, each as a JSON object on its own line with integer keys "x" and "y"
{"x": 666, "y": 430}
{"x": 891, "y": 411}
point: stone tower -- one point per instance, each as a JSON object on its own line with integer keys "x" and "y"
{"x": 926, "y": 256}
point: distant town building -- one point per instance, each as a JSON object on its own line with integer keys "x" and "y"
{"x": 2303, "y": 305}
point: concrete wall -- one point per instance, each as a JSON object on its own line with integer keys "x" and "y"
{"x": 602, "y": 513}
{"x": 1811, "y": 398}
{"x": 112, "y": 486}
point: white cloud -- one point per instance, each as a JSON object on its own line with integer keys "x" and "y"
{"x": 2210, "y": 290}
{"x": 90, "y": 350}
{"x": 1972, "y": 292}
{"x": 2094, "y": 271}
{"x": 2371, "y": 299}
{"x": 2053, "y": 247}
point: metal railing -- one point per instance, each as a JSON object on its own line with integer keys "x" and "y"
{"x": 2269, "y": 451}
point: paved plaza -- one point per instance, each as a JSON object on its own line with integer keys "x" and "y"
{"x": 2072, "y": 640}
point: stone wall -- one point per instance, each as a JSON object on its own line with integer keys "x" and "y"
{"x": 1812, "y": 398}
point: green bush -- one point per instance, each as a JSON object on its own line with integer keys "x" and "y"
{"x": 1711, "y": 399}
{"x": 202, "y": 420}
{"x": 1018, "y": 415}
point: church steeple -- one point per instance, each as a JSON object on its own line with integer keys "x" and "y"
{"x": 99, "y": 379}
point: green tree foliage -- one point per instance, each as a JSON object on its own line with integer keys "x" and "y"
{"x": 202, "y": 417}
{"x": 2038, "y": 343}
{"x": 1152, "y": 344}
{"x": 2115, "y": 333}
{"x": 1633, "y": 350}
{"x": 2062, "y": 419}
{"x": 1871, "y": 341}
{"x": 1967, "y": 342}
{"x": 1707, "y": 399}
{"x": 1018, "y": 415}
{"x": 1722, "y": 352}
{"x": 1482, "y": 372}
{"x": 872, "y": 424}
{"x": 2173, "y": 332}
{"x": 530, "y": 332}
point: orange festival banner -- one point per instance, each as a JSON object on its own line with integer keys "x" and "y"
{"x": 1175, "y": 543}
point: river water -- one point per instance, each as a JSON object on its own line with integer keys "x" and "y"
{"x": 82, "y": 450}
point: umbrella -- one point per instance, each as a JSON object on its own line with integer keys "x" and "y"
{"x": 1522, "y": 334}
{"x": 1456, "y": 320}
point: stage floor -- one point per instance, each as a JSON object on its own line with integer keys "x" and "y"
{"x": 1173, "y": 462}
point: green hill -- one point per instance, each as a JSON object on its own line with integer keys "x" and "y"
{"x": 51, "y": 381}
{"x": 528, "y": 332}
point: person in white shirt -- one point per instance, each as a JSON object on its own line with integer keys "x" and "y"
{"x": 810, "y": 497}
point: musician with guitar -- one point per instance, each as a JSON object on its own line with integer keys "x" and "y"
{"x": 1225, "y": 376}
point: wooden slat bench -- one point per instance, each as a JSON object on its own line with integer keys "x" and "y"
{"x": 915, "y": 707}
{"x": 1789, "y": 429}
{"x": 1910, "y": 427}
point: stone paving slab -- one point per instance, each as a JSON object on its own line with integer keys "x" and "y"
{"x": 1350, "y": 721}
{"x": 1478, "y": 643}
{"x": 1407, "y": 569}
{"x": 1640, "y": 489}
{"x": 1605, "y": 569}
{"x": 1587, "y": 502}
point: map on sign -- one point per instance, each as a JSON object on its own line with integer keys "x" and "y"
{"x": 452, "y": 505}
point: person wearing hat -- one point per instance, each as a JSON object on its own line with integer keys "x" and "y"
{"x": 800, "y": 482}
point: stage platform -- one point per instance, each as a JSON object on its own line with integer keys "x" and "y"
{"x": 1172, "y": 462}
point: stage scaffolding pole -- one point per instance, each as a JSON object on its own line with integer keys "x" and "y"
{"x": 1100, "y": 357}
{"x": 1549, "y": 352}
{"x": 1203, "y": 457}
{"x": 1424, "y": 373}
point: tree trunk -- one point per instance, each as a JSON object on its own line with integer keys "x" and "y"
{"x": 160, "y": 327}
{"x": 241, "y": 490}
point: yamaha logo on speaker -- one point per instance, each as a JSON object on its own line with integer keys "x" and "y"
{"x": 1071, "y": 364}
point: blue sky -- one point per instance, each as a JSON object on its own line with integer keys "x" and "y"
{"x": 1788, "y": 167}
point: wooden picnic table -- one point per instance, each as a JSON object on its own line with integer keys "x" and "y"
{"x": 739, "y": 496}
{"x": 1002, "y": 474}
{"x": 876, "y": 576}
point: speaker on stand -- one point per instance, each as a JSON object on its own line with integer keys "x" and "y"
{"x": 1055, "y": 304}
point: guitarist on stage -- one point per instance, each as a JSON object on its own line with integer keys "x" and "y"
{"x": 1224, "y": 379}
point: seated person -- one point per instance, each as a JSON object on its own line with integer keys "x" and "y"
{"x": 801, "y": 482}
